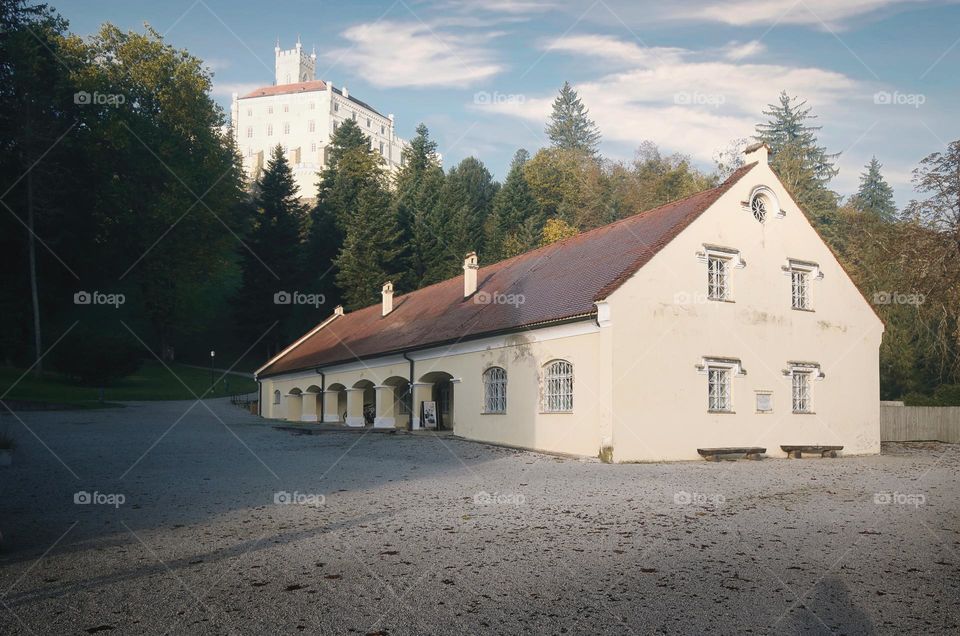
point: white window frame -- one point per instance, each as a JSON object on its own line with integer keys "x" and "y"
{"x": 269, "y": 130}
{"x": 803, "y": 273}
{"x": 495, "y": 390}
{"x": 800, "y": 290}
{"x": 719, "y": 262}
{"x": 801, "y": 391}
{"x": 249, "y": 132}
{"x": 719, "y": 389}
{"x": 718, "y": 278}
{"x": 802, "y": 376}
{"x": 558, "y": 386}
{"x": 312, "y": 126}
{"x": 286, "y": 128}
{"x": 720, "y": 370}
{"x": 771, "y": 204}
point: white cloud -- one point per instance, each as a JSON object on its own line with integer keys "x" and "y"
{"x": 613, "y": 49}
{"x": 832, "y": 13}
{"x": 227, "y": 89}
{"x": 736, "y": 51}
{"x": 503, "y": 6}
{"x": 396, "y": 54}
{"x": 681, "y": 100}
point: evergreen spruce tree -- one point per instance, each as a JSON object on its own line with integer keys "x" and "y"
{"x": 359, "y": 202}
{"x": 805, "y": 167}
{"x": 570, "y": 126}
{"x": 271, "y": 265}
{"x": 875, "y": 194}
{"x": 369, "y": 254}
{"x": 513, "y": 205}
{"x": 417, "y": 189}
{"x": 337, "y": 192}
{"x": 459, "y": 217}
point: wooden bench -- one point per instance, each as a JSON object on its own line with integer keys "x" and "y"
{"x": 713, "y": 454}
{"x": 796, "y": 452}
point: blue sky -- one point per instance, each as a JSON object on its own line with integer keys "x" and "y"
{"x": 690, "y": 76}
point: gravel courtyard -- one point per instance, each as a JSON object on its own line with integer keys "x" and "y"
{"x": 400, "y": 534}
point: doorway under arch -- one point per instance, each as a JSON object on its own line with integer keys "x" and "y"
{"x": 442, "y": 393}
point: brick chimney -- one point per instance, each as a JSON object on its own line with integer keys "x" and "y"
{"x": 470, "y": 268}
{"x": 387, "y": 294}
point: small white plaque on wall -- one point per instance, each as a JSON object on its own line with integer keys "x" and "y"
{"x": 764, "y": 402}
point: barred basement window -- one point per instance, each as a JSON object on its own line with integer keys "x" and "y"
{"x": 276, "y": 397}
{"x": 800, "y": 289}
{"x": 718, "y": 389}
{"x": 494, "y": 390}
{"x": 718, "y": 286}
{"x": 801, "y": 392}
{"x": 558, "y": 387}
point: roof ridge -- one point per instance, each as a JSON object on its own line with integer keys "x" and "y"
{"x": 733, "y": 178}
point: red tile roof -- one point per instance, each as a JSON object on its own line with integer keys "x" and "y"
{"x": 557, "y": 282}
{"x": 284, "y": 89}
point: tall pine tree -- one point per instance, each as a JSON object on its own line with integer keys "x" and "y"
{"x": 570, "y": 126}
{"x": 369, "y": 255}
{"x": 417, "y": 189}
{"x": 507, "y": 228}
{"x": 271, "y": 266}
{"x": 875, "y": 194}
{"x": 337, "y": 193}
{"x": 460, "y": 216}
{"x": 804, "y": 166}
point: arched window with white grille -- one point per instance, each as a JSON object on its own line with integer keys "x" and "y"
{"x": 558, "y": 387}
{"x": 494, "y": 390}
{"x": 276, "y": 397}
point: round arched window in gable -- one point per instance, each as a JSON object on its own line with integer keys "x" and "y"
{"x": 763, "y": 203}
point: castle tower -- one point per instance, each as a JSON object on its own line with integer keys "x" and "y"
{"x": 294, "y": 65}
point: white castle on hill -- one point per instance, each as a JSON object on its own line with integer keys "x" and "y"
{"x": 301, "y": 113}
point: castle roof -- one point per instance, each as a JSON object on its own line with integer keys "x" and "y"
{"x": 558, "y": 282}
{"x": 305, "y": 87}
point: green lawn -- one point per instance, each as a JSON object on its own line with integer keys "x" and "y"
{"x": 152, "y": 382}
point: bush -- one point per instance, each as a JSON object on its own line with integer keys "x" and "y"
{"x": 97, "y": 359}
{"x": 944, "y": 395}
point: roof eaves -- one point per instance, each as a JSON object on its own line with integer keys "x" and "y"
{"x": 428, "y": 345}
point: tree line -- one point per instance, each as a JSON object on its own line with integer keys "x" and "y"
{"x": 119, "y": 179}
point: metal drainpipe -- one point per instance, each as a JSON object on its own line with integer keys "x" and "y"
{"x": 409, "y": 392}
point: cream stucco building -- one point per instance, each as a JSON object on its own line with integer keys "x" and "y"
{"x": 300, "y": 113}
{"x": 719, "y": 320}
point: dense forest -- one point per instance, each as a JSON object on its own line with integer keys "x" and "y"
{"x": 128, "y": 228}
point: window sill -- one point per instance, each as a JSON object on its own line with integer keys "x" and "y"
{"x": 715, "y": 412}
{"x": 804, "y": 413}
{"x": 763, "y": 412}
{"x": 493, "y": 412}
{"x": 556, "y": 412}
{"x": 721, "y": 300}
{"x": 810, "y": 311}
